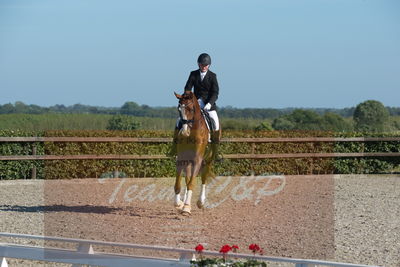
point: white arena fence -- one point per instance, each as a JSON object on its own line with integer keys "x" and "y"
{"x": 85, "y": 254}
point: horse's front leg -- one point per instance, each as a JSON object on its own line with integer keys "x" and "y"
{"x": 191, "y": 171}
{"x": 187, "y": 206}
{"x": 178, "y": 202}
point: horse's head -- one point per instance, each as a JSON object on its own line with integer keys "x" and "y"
{"x": 187, "y": 107}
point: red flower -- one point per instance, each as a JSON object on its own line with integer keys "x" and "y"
{"x": 225, "y": 249}
{"x": 199, "y": 248}
{"x": 254, "y": 248}
{"x": 235, "y": 248}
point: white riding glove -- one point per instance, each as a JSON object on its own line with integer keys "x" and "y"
{"x": 207, "y": 107}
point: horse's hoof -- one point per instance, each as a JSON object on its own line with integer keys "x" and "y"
{"x": 179, "y": 206}
{"x": 200, "y": 204}
{"x": 186, "y": 210}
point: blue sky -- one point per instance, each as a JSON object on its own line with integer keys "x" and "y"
{"x": 266, "y": 53}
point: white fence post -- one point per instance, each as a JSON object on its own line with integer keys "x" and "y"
{"x": 84, "y": 248}
{"x": 4, "y": 262}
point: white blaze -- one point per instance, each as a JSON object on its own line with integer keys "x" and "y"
{"x": 185, "y": 128}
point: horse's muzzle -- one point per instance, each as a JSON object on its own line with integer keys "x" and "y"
{"x": 185, "y": 131}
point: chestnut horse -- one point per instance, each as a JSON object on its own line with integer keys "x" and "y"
{"x": 191, "y": 152}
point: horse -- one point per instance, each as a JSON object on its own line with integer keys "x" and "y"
{"x": 192, "y": 158}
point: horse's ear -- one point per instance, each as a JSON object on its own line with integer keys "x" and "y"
{"x": 177, "y": 95}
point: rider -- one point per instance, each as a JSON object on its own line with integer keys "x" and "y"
{"x": 206, "y": 90}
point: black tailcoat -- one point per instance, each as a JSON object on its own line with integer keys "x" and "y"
{"x": 207, "y": 89}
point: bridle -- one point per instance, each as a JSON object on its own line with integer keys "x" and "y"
{"x": 182, "y": 108}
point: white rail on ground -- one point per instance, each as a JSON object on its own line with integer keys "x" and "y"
{"x": 85, "y": 255}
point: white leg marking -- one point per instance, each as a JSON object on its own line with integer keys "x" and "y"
{"x": 188, "y": 197}
{"x": 178, "y": 201}
{"x": 177, "y": 198}
{"x": 185, "y": 196}
{"x": 203, "y": 194}
{"x": 202, "y": 198}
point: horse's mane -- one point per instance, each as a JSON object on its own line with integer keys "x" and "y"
{"x": 189, "y": 95}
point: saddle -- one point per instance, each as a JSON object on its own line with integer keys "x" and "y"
{"x": 209, "y": 122}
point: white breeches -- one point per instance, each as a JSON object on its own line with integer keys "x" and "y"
{"x": 213, "y": 115}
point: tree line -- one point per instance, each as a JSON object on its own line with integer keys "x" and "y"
{"x": 368, "y": 116}
{"x": 134, "y": 109}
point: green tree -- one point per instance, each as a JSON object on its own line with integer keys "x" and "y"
{"x": 335, "y": 122}
{"x": 395, "y": 123}
{"x": 306, "y": 119}
{"x": 7, "y": 108}
{"x": 283, "y": 123}
{"x": 370, "y": 116}
{"x": 130, "y": 108}
{"x": 122, "y": 122}
{"x": 299, "y": 119}
{"x": 20, "y": 107}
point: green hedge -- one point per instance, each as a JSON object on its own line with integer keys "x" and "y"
{"x": 69, "y": 169}
{"x": 366, "y": 165}
{"x": 10, "y": 170}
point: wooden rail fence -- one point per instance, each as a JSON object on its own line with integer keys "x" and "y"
{"x": 166, "y": 140}
{"x": 252, "y": 141}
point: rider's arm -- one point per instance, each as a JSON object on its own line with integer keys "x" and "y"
{"x": 214, "y": 90}
{"x": 190, "y": 82}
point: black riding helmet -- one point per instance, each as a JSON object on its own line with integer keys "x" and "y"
{"x": 204, "y": 59}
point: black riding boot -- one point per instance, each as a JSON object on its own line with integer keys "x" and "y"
{"x": 215, "y": 140}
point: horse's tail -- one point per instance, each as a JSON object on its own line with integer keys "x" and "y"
{"x": 207, "y": 171}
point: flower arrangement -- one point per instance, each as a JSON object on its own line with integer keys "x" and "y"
{"x": 224, "y": 261}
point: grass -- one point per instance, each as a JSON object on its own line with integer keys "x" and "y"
{"x": 53, "y": 121}
{"x": 58, "y": 121}
{"x": 42, "y": 122}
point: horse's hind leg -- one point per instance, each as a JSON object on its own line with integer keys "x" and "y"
{"x": 206, "y": 172}
{"x": 202, "y": 198}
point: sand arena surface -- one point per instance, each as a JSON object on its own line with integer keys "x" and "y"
{"x": 342, "y": 218}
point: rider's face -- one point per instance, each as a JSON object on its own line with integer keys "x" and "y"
{"x": 203, "y": 68}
